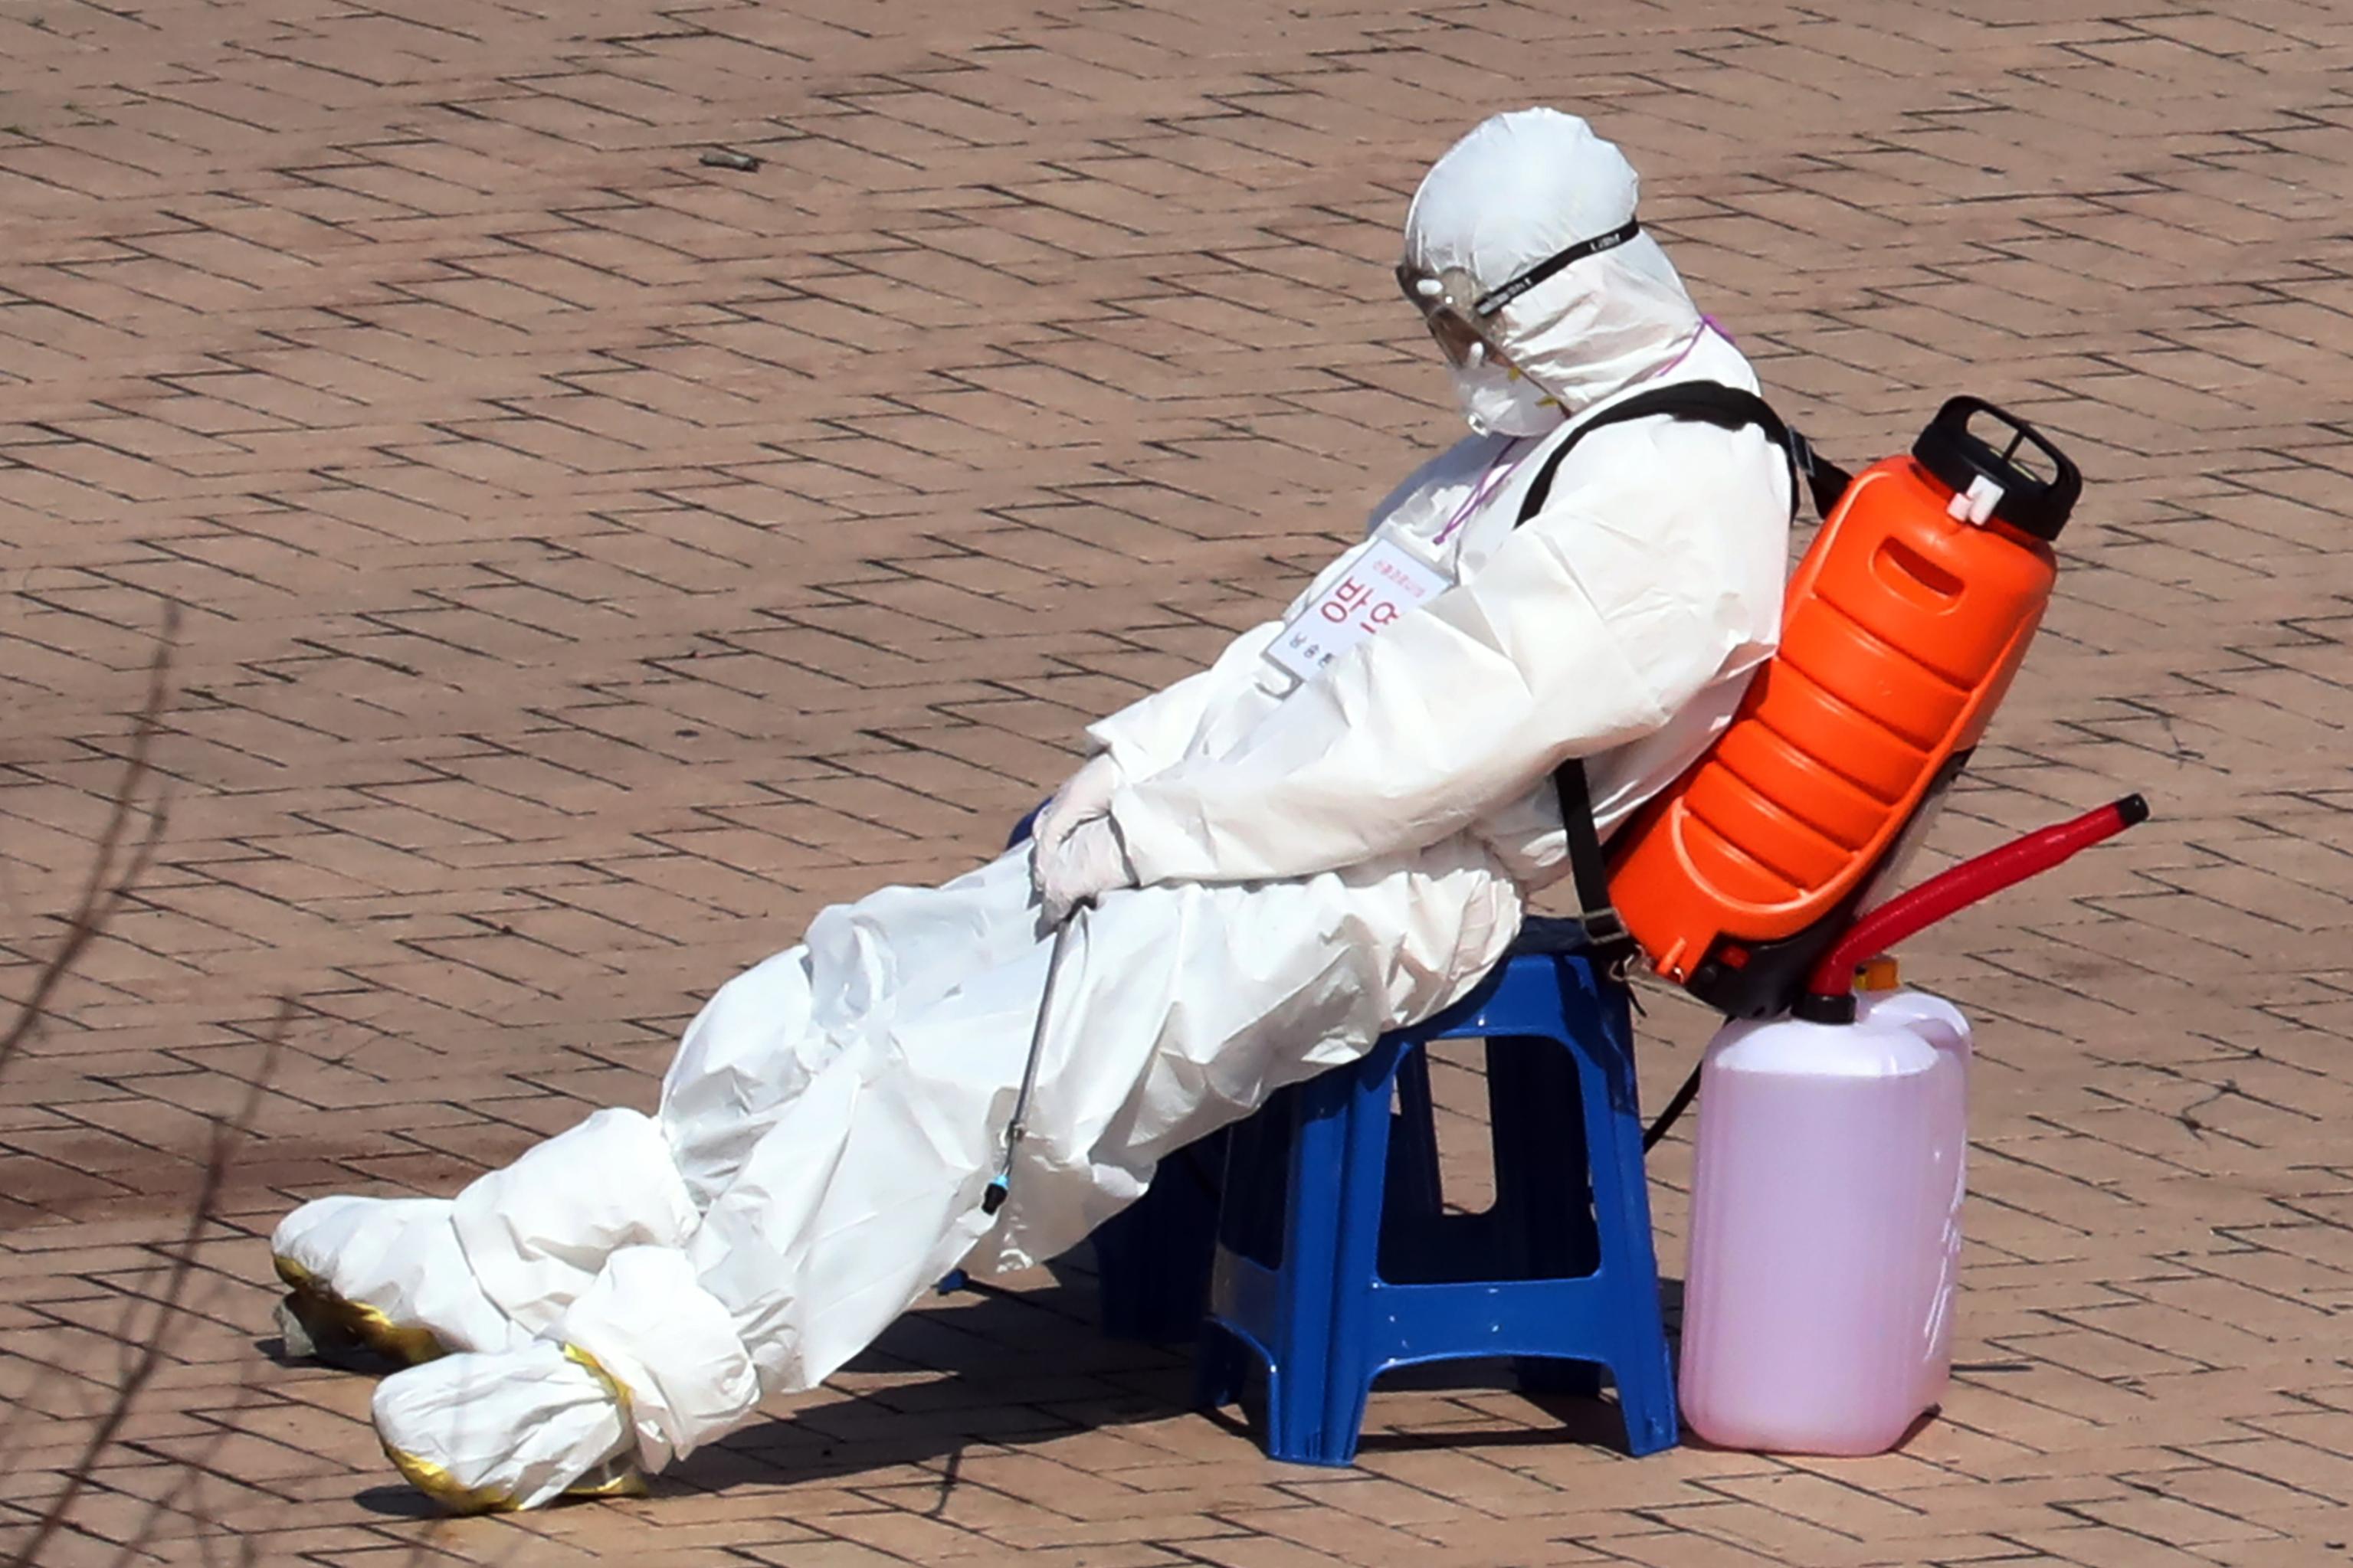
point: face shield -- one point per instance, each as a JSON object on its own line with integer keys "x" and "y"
{"x": 1462, "y": 317}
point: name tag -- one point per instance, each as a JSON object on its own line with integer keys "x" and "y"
{"x": 1385, "y": 583}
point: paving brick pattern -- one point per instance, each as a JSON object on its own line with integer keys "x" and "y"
{"x": 593, "y": 562}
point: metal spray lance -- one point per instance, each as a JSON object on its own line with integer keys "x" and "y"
{"x": 993, "y": 1199}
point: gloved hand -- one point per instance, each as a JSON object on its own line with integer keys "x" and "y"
{"x": 1086, "y": 793}
{"x": 1087, "y": 862}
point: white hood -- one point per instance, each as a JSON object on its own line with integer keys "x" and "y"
{"x": 1522, "y": 187}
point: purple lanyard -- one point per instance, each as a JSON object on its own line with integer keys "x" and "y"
{"x": 1499, "y": 474}
{"x": 1706, "y": 325}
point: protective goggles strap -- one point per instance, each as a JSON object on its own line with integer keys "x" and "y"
{"x": 1494, "y": 300}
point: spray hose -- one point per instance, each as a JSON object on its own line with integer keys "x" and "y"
{"x": 1830, "y": 990}
{"x": 1829, "y": 994}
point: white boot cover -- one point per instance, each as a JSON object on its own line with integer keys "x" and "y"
{"x": 482, "y": 1434}
{"x": 390, "y": 1272}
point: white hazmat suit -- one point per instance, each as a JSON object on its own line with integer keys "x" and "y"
{"x": 1317, "y": 862}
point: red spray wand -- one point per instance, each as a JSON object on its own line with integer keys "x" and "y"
{"x": 1829, "y": 993}
{"x": 1830, "y": 990}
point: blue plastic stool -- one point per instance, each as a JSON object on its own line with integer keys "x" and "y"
{"x": 1152, "y": 1258}
{"x": 1333, "y": 1266}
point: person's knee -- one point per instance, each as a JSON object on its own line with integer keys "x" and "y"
{"x": 668, "y": 1345}
{"x": 536, "y": 1232}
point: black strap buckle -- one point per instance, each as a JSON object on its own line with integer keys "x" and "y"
{"x": 1802, "y": 452}
{"x": 1825, "y": 480}
{"x": 1613, "y": 947}
{"x": 1603, "y": 927}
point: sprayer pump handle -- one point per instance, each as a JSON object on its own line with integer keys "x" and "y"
{"x": 1959, "y": 458}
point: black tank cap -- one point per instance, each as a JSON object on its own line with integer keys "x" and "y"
{"x": 1815, "y": 1008}
{"x": 1958, "y": 456}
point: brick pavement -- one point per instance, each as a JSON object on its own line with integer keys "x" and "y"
{"x": 594, "y": 562}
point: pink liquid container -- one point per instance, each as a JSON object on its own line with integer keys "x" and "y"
{"x": 1825, "y": 1228}
{"x": 1826, "y": 1199}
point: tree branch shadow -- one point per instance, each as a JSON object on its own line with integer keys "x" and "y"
{"x": 175, "y": 1519}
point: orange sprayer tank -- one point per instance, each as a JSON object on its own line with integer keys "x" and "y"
{"x": 1902, "y": 628}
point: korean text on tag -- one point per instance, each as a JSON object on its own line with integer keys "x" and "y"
{"x": 1383, "y": 583}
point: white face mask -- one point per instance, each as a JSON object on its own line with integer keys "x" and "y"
{"x": 1497, "y": 400}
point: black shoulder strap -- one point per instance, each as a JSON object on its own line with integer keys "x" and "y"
{"x": 1605, "y": 936}
{"x": 1711, "y": 403}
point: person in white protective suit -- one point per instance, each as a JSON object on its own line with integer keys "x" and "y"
{"x": 1279, "y": 871}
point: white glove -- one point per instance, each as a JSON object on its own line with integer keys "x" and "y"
{"x": 1085, "y": 793}
{"x": 1087, "y": 863}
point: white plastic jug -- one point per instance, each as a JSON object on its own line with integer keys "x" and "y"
{"x": 1825, "y": 1228}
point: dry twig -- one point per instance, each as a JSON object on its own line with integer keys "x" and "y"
{"x": 108, "y": 887}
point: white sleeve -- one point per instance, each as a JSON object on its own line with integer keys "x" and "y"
{"x": 1589, "y": 628}
{"x": 1150, "y": 735}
